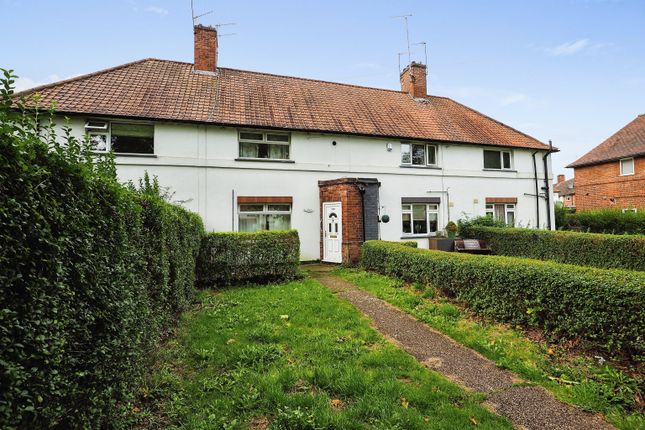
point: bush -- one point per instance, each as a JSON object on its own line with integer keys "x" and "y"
{"x": 601, "y": 306}
{"x": 609, "y": 221}
{"x": 488, "y": 221}
{"x": 91, "y": 272}
{"x": 561, "y": 214}
{"x": 233, "y": 258}
{"x": 586, "y": 249}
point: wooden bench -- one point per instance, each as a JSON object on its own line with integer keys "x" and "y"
{"x": 472, "y": 246}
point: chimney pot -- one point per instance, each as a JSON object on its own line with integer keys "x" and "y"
{"x": 560, "y": 178}
{"x": 205, "y": 48}
{"x": 413, "y": 80}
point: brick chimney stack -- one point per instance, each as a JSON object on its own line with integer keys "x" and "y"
{"x": 413, "y": 80}
{"x": 560, "y": 179}
{"x": 205, "y": 48}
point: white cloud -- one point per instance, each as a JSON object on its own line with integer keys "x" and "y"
{"x": 512, "y": 98}
{"x": 158, "y": 10}
{"x": 569, "y": 48}
{"x": 496, "y": 96}
{"x": 25, "y": 82}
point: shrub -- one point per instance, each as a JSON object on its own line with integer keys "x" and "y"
{"x": 609, "y": 221}
{"x": 586, "y": 249}
{"x": 489, "y": 221}
{"x": 233, "y": 258}
{"x": 91, "y": 273}
{"x": 601, "y": 306}
{"x": 561, "y": 213}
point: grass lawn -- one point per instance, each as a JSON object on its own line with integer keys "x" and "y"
{"x": 575, "y": 379}
{"x": 293, "y": 356}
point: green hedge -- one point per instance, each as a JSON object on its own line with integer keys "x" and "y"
{"x": 586, "y": 249}
{"x": 234, "y": 258}
{"x": 609, "y": 221}
{"x": 91, "y": 273}
{"x": 602, "y": 306}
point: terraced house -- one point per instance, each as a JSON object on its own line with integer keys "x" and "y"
{"x": 612, "y": 175}
{"x": 341, "y": 163}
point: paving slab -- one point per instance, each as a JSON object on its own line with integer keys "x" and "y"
{"x": 531, "y": 408}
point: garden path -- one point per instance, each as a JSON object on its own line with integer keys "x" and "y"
{"x": 527, "y": 407}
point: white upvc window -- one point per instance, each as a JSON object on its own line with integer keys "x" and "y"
{"x": 264, "y": 216}
{"x": 259, "y": 145}
{"x": 498, "y": 160}
{"x": 626, "y": 166}
{"x": 418, "y": 154}
{"x": 504, "y": 212}
{"x": 120, "y": 137}
{"x": 625, "y": 210}
{"x": 420, "y": 219}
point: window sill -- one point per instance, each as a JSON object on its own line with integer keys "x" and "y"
{"x": 125, "y": 154}
{"x": 419, "y": 236}
{"x": 500, "y": 170}
{"x": 265, "y": 160}
{"x": 410, "y": 166}
{"x": 128, "y": 154}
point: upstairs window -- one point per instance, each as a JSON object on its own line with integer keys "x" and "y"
{"x": 626, "y": 166}
{"x": 264, "y": 216}
{"x": 121, "y": 138}
{"x": 418, "y": 154}
{"x": 264, "y": 145}
{"x": 498, "y": 160}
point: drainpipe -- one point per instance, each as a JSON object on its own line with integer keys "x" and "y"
{"x": 537, "y": 190}
{"x": 361, "y": 188}
{"x": 546, "y": 186}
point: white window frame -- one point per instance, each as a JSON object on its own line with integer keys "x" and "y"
{"x": 265, "y": 211}
{"x": 501, "y": 159}
{"x": 264, "y": 141}
{"x": 508, "y": 208}
{"x": 622, "y": 169}
{"x": 625, "y": 210}
{"x": 431, "y": 208}
{"x": 426, "y": 152}
{"x": 106, "y": 130}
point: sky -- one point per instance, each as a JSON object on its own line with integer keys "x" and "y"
{"x": 570, "y": 71}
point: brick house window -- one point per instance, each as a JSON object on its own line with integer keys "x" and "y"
{"x": 264, "y": 145}
{"x": 121, "y": 138}
{"x": 625, "y": 210}
{"x": 264, "y": 216}
{"x": 418, "y": 154}
{"x": 504, "y": 212}
{"x": 497, "y": 160}
{"x": 626, "y": 166}
{"x": 420, "y": 219}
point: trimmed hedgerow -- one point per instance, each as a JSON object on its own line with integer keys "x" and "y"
{"x": 236, "y": 258}
{"x": 91, "y": 272}
{"x": 608, "y": 221}
{"x": 586, "y": 249}
{"x": 601, "y": 306}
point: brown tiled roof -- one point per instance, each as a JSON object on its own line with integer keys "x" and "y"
{"x": 169, "y": 90}
{"x": 565, "y": 188}
{"x": 629, "y": 141}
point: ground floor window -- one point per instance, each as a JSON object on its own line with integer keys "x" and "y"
{"x": 264, "y": 216}
{"x": 420, "y": 218}
{"x": 504, "y": 212}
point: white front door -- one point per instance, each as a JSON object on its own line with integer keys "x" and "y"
{"x": 332, "y": 232}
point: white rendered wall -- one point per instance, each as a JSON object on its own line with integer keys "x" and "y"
{"x": 197, "y": 164}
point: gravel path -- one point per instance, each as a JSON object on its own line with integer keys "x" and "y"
{"x": 526, "y": 407}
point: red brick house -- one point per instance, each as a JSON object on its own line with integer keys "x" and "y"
{"x": 566, "y": 191}
{"x": 612, "y": 175}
